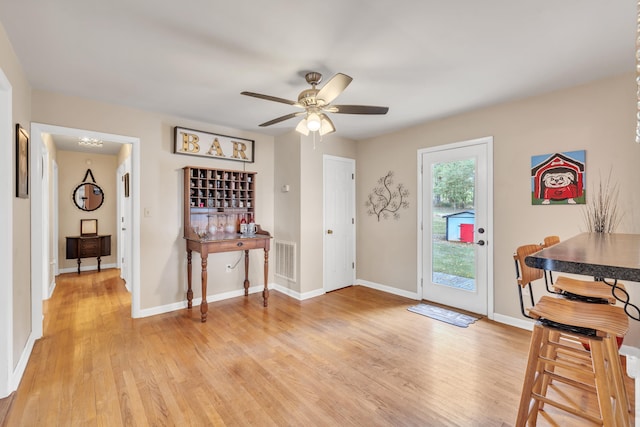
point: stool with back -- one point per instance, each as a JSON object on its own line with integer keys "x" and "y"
{"x": 555, "y": 354}
{"x": 593, "y": 291}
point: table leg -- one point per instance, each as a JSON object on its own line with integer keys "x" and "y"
{"x": 265, "y": 292}
{"x": 189, "y": 277}
{"x": 204, "y": 306}
{"x": 246, "y": 273}
{"x": 99, "y": 264}
{"x": 79, "y": 265}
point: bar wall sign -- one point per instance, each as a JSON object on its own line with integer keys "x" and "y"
{"x": 205, "y": 144}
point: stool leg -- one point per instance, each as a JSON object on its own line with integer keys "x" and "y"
{"x": 623, "y": 407}
{"x": 524, "y": 410}
{"x": 551, "y": 353}
{"x": 602, "y": 381}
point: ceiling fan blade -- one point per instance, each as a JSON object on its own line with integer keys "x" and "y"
{"x": 282, "y": 119}
{"x": 357, "y": 109}
{"x": 334, "y": 87}
{"x": 269, "y": 98}
{"x": 326, "y": 125}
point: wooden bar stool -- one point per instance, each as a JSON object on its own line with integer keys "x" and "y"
{"x": 598, "y": 371}
{"x": 561, "y": 325}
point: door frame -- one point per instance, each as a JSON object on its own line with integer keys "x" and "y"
{"x": 39, "y": 240}
{"x": 488, "y": 142}
{"x": 124, "y": 210}
{"x": 8, "y": 377}
{"x": 352, "y": 162}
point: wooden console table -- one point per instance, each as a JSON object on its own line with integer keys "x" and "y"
{"x": 88, "y": 247}
{"x": 226, "y": 243}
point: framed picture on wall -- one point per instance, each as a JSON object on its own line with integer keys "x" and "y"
{"x": 558, "y": 178}
{"x": 126, "y": 184}
{"x": 22, "y": 162}
{"x": 88, "y": 227}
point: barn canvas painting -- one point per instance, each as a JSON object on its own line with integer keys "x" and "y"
{"x": 558, "y": 178}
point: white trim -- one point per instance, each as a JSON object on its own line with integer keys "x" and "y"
{"x": 297, "y": 295}
{"x": 161, "y": 309}
{"x": 488, "y": 142}
{"x": 21, "y": 366}
{"x": 388, "y": 289}
{"x": 520, "y": 323}
{"x": 44, "y": 218}
{"x": 87, "y": 268}
{"x": 38, "y": 240}
{"x": 56, "y": 207}
{"x": 6, "y": 229}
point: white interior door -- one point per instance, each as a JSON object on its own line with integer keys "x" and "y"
{"x": 339, "y": 222}
{"x": 457, "y": 222}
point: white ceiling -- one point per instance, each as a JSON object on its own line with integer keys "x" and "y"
{"x": 424, "y": 59}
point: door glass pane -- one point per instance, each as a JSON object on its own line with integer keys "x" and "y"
{"x": 452, "y": 224}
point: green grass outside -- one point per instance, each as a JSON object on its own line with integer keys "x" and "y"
{"x": 453, "y": 258}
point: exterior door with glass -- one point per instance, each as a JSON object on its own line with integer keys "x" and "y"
{"x": 456, "y": 199}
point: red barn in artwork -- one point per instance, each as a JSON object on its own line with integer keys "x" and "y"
{"x": 558, "y": 178}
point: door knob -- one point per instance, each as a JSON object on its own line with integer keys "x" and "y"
{"x": 480, "y": 243}
{"x": 329, "y": 231}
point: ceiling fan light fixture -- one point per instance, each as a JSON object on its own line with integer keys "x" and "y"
{"x": 313, "y": 122}
{"x": 315, "y": 103}
{"x": 302, "y": 127}
{"x": 327, "y": 127}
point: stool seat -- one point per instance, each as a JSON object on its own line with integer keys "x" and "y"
{"x": 589, "y": 290}
{"x": 604, "y": 319}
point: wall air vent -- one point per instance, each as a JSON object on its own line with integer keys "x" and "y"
{"x": 286, "y": 260}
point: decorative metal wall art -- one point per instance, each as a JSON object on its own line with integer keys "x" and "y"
{"x": 385, "y": 201}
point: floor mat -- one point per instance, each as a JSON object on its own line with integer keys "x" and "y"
{"x": 443, "y": 314}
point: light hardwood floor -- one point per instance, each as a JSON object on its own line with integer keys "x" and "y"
{"x": 353, "y": 357}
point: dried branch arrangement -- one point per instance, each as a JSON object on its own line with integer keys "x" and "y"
{"x": 601, "y": 214}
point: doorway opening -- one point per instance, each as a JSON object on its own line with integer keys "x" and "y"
{"x": 40, "y": 224}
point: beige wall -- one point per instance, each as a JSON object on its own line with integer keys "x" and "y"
{"x": 311, "y": 202}
{"x": 21, "y": 113}
{"x": 72, "y": 167}
{"x": 163, "y": 259}
{"x": 287, "y": 204}
{"x": 597, "y": 117}
{"x": 299, "y": 212}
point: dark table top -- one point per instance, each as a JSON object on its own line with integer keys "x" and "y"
{"x": 608, "y": 256}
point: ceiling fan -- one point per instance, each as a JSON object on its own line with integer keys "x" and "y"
{"x": 317, "y": 102}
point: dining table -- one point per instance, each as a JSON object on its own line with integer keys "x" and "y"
{"x": 611, "y": 258}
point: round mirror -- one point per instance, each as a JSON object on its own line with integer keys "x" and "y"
{"x": 88, "y": 196}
